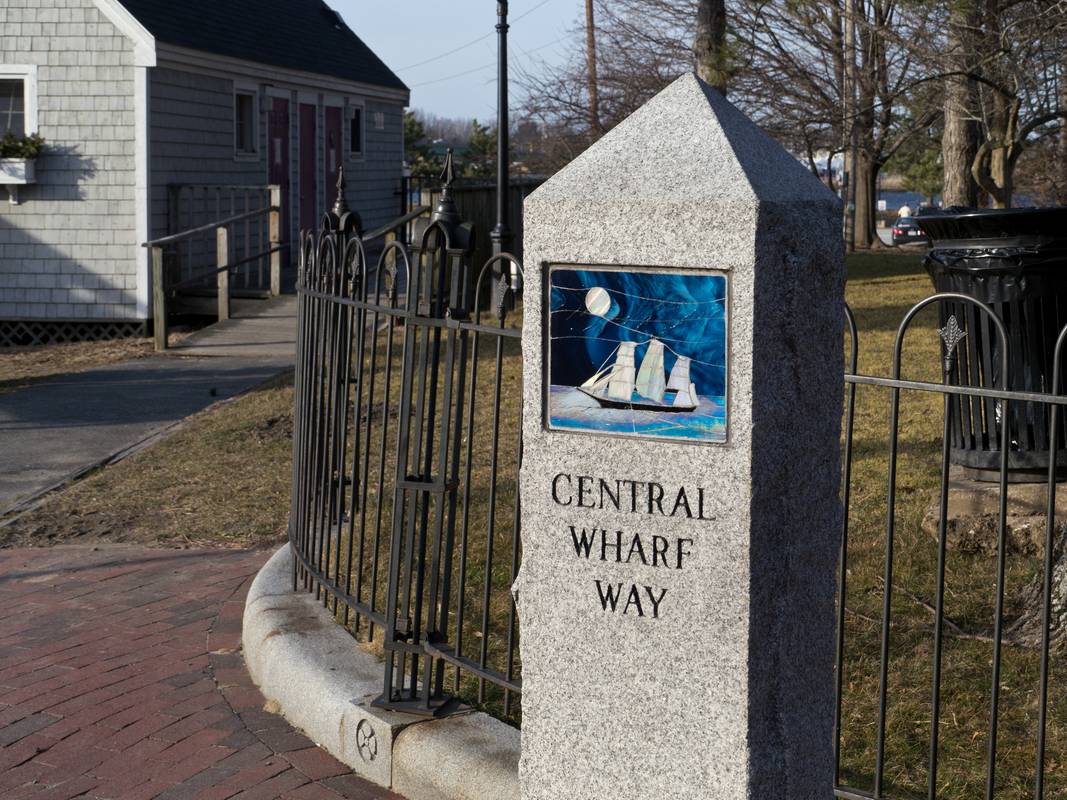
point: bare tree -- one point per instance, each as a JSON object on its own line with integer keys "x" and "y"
{"x": 639, "y": 45}
{"x": 1019, "y": 60}
{"x": 832, "y": 76}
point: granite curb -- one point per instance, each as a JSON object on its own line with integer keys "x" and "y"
{"x": 324, "y": 684}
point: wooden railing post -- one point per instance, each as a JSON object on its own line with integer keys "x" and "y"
{"x": 159, "y": 300}
{"x": 275, "y": 240}
{"x": 222, "y": 259}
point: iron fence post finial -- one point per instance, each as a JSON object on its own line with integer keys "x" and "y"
{"x": 340, "y": 203}
{"x": 341, "y": 218}
{"x": 447, "y": 211}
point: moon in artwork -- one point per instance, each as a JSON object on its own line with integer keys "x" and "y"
{"x": 598, "y": 302}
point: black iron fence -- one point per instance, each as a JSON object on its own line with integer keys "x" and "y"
{"x": 405, "y": 515}
{"x": 406, "y": 451}
{"x": 945, "y": 622}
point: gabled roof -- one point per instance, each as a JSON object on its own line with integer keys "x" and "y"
{"x": 305, "y": 35}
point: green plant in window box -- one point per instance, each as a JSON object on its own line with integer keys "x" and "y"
{"x": 22, "y": 147}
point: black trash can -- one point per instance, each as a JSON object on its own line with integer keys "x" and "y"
{"x": 1016, "y": 262}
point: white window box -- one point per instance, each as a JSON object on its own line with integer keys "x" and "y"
{"x": 15, "y": 172}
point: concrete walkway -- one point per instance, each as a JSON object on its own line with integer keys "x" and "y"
{"x": 55, "y": 430}
{"x": 266, "y": 330}
{"x": 121, "y": 677}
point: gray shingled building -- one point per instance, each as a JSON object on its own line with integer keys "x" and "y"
{"x": 136, "y": 97}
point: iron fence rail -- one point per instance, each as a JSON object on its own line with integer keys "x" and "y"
{"x": 401, "y": 465}
{"x": 405, "y": 509}
{"x": 958, "y": 344}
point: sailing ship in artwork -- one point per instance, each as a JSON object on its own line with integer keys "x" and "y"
{"x": 619, "y": 385}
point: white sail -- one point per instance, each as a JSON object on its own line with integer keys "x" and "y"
{"x": 687, "y": 397}
{"x": 597, "y": 378}
{"x": 679, "y": 380}
{"x": 650, "y": 377}
{"x": 621, "y": 383}
{"x": 682, "y": 398}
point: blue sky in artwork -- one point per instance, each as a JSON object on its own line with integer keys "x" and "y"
{"x": 685, "y": 311}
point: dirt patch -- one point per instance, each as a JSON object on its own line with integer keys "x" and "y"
{"x": 274, "y": 429}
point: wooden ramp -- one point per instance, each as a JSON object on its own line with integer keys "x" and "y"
{"x": 259, "y": 329}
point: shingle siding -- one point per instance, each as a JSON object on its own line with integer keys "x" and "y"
{"x": 375, "y": 181}
{"x": 71, "y": 250}
{"x": 192, "y": 143}
{"x": 68, "y": 251}
{"x": 191, "y": 139}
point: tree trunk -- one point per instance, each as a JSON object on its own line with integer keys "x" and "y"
{"x": 709, "y": 44}
{"x": 1061, "y": 177}
{"x": 1001, "y": 176}
{"x": 591, "y": 77}
{"x": 994, "y": 164}
{"x": 849, "y": 106}
{"x": 959, "y": 141}
{"x": 865, "y": 176}
{"x": 1029, "y": 628}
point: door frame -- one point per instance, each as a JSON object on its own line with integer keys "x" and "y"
{"x": 306, "y": 99}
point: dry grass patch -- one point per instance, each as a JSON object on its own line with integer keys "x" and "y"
{"x": 23, "y": 366}
{"x": 222, "y": 480}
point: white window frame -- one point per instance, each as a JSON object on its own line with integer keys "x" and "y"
{"x": 379, "y": 120}
{"x": 28, "y": 74}
{"x": 362, "y": 107}
{"x": 248, "y": 90}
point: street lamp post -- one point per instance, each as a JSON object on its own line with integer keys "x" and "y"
{"x": 501, "y": 234}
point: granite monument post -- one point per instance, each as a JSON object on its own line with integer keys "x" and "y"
{"x": 683, "y": 376}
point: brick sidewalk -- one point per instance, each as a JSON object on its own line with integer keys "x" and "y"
{"x": 121, "y": 679}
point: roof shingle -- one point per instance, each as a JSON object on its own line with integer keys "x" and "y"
{"x": 304, "y": 35}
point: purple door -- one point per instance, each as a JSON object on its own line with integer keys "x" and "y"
{"x": 308, "y": 172}
{"x": 331, "y": 151}
{"x": 278, "y": 134}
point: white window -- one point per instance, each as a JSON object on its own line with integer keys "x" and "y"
{"x": 355, "y": 131}
{"x": 379, "y": 121}
{"x": 245, "y": 123}
{"x": 18, "y": 99}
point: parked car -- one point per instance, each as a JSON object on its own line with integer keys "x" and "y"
{"x": 907, "y": 231}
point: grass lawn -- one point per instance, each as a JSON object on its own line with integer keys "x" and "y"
{"x": 880, "y": 291}
{"x": 224, "y": 480}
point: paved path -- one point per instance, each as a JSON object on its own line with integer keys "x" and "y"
{"x": 121, "y": 679}
{"x": 266, "y": 330}
{"x": 54, "y": 430}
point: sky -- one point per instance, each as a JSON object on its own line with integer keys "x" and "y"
{"x": 414, "y": 40}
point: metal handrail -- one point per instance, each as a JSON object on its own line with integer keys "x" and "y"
{"x": 228, "y": 268}
{"x": 223, "y": 265}
{"x": 188, "y": 234}
{"x": 377, "y": 233}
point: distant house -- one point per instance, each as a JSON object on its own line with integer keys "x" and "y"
{"x": 134, "y": 97}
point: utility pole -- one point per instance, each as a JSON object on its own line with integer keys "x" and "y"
{"x": 591, "y": 78}
{"x": 501, "y": 234}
